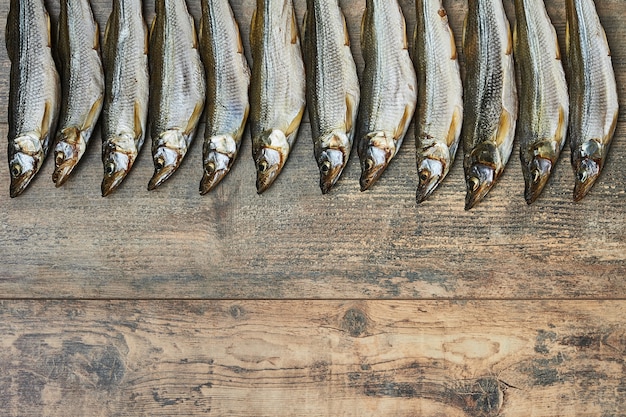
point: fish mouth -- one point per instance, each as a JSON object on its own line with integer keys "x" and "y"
{"x": 479, "y": 179}
{"x": 373, "y": 166}
{"x": 116, "y": 167}
{"x": 166, "y": 162}
{"x": 331, "y": 165}
{"x": 216, "y": 167}
{"x": 586, "y": 172}
{"x": 65, "y": 161}
{"x": 429, "y": 174}
{"x": 269, "y": 164}
{"x": 536, "y": 175}
{"x": 23, "y": 169}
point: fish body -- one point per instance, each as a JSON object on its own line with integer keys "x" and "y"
{"x": 125, "y": 111}
{"x": 82, "y": 81}
{"x": 228, "y": 81}
{"x": 544, "y": 106}
{"x": 388, "y": 88}
{"x": 35, "y": 91}
{"x": 277, "y": 91}
{"x": 333, "y": 92}
{"x": 490, "y": 106}
{"x": 439, "y": 114}
{"x": 593, "y": 94}
{"x": 178, "y": 87}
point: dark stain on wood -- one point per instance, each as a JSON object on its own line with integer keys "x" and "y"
{"x": 355, "y": 322}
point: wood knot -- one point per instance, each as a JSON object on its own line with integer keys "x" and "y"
{"x": 236, "y": 312}
{"x": 355, "y": 322}
{"x": 483, "y": 398}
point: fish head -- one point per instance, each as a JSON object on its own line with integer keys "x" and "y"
{"x": 270, "y": 159}
{"x": 536, "y": 174}
{"x": 429, "y": 175}
{"x": 587, "y": 164}
{"x": 23, "y": 168}
{"x": 332, "y": 153}
{"x": 116, "y": 167}
{"x": 375, "y": 158}
{"x": 479, "y": 180}
{"x": 67, "y": 152}
{"x": 587, "y": 172}
{"x": 166, "y": 162}
{"x": 268, "y": 165}
{"x": 219, "y": 154}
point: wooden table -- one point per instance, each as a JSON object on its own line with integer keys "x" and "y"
{"x": 292, "y": 303}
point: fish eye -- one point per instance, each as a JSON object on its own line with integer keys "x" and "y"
{"x": 536, "y": 175}
{"x": 582, "y": 176}
{"x": 159, "y": 164}
{"x": 109, "y": 168}
{"x": 325, "y": 168}
{"x": 474, "y": 183}
{"x": 369, "y": 164}
{"x": 59, "y": 158}
{"x": 424, "y": 175}
{"x": 262, "y": 166}
{"x": 209, "y": 168}
{"x": 16, "y": 170}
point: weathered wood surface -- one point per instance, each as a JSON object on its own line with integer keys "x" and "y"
{"x": 292, "y": 242}
{"x": 312, "y": 358}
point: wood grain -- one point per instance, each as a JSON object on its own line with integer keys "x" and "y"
{"x": 313, "y": 358}
{"x": 292, "y": 242}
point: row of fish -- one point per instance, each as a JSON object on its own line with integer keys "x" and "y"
{"x": 165, "y": 75}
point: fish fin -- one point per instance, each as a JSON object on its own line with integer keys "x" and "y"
{"x": 406, "y": 119}
{"x": 49, "y": 30}
{"x": 92, "y": 116}
{"x": 606, "y": 41}
{"x": 194, "y": 33}
{"x": 509, "y": 45}
{"x": 195, "y": 117}
{"x": 96, "y": 39}
{"x": 253, "y": 26}
{"x": 464, "y": 30}
{"x": 363, "y": 26}
{"x": 242, "y": 127}
{"x": 152, "y": 25}
{"x": 453, "y": 53}
{"x": 294, "y": 28}
{"x": 46, "y": 120}
{"x": 239, "y": 41}
{"x": 295, "y": 123}
{"x": 556, "y": 44}
{"x": 350, "y": 107}
{"x": 515, "y": 36}
{"x": 405, "y": 38}
{"x": 567, "y": 37}
{"x": 454, "y": 127}
{"x": 345, "y": 30}
{"x": 138, "y": 116}
{"x": 504, "y": 125}
{"x": 306, "y": 15}
{"x": 559, "y": 130}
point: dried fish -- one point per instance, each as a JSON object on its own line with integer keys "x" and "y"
{"x": 34, "y": 98}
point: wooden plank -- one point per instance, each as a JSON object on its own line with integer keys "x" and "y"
{"x": 317, "y": 358}
{"x": 293, "y": 242}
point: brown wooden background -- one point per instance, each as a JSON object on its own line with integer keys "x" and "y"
{"x": 293, "y": 303}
